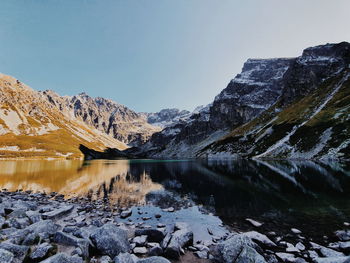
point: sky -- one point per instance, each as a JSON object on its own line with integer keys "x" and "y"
{"x": 155, "y": 54}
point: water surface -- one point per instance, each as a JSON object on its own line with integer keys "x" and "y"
{"x": 304, "y": 194}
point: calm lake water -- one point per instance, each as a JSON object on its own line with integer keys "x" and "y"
{"x": 313, "y": 197}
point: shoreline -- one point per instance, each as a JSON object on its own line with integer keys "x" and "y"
{"x": 49, "y": 227}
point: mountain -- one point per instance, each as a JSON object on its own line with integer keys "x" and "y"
{"x": 106, "y": 116}
{"x": 310, "y": 119}
{"x": 44, "y": 124}
{"x": 166, "y": 117}
{"x": 284, "y": 107}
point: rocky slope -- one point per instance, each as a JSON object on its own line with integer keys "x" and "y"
{"x": 166, "y": 117}
{"x": 289, "y": 107}
{"x": 106, "y": 116}
{"x": 45, "y": 124}
{"x": 309, "y": 120}
{"x": 30, "y": 125}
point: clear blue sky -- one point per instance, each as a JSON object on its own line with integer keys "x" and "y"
{"x": 153, "y": 54}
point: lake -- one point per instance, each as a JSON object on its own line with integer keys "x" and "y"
{"x": 311, "y": 196}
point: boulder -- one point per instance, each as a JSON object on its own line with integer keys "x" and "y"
{"x": 155, "y": 251}
{"x": 140, "y": 250}
{"x": 153, "y": 234}
{"x": 154, "y": 260}
{"x": 260, "y": 238}
{"x": 19, "y": 252}
{"x": 237, "y": 247}
{"x": 343, "y": 235}
{"x": 44, "y": 228}
{"x": 58, "y": 213}
{"x": 110, "y": 240}
{"x": 125, "y": 258}
{"x": 332, "y": 260}
{"x": 63, "y": 258}
{"x": 41, "y": 251}
{"x": 326, "y": 252}
{"x": 69, "y": 240}
{"x": 6, "y": 256}
{"x": 180, "y": 238}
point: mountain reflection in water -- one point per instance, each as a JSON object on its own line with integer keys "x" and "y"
{"x": 277, "y": 192}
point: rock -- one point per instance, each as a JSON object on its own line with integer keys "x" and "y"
{"x": 34, "y": 216}
{"x": 105, "y": 259}
{"x": 341, "y": 245}
{"x": 153, "y": 234}
{"x": 295, "y": 231}
{"x": 140, "y": 240}
{"x": 41, "y": 251}
{"x": 170, "y": 209}
{"x": 125, "y": 258}
{"x": 6, "y": 256}
{"x": 180, "y": 238}
{"x": 154, "y": 260}
{"x": 326, "y": 252}
{"x": 300, "y": 246}
{"x": 63, "y": 258}
{"x": 291, "y": 248}
{"x": 254, "y": 223}
{"x": 110, "y": 240}
{"x": 343, "y": 235}
{"x": 126, "y": 213}
{"x": 18, "y": 223}
{"x": 332, "y": 260}
{"x": 201, "y": 254}
{"x": 238, "y": 246}
{"x": 155, "y": 251}
{"x": 43, "y": 228}
{"x": 19, "y": 252}
{"x": 157, "y": 215}
{"x": 140, "y": 250}
{"x": 31, "y": 239}
{"x": 66, "y": 239}
{"x": 285, "y": 257}
{"x": 58, "y": 213}
{"x": 260, "y": 238}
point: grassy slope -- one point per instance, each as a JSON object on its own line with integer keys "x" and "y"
{"x": 269, "y": 129}
{"x": 56, "y": 143}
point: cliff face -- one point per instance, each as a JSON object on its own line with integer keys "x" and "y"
{"x": 106, "y": 116}
{"x": 309, "y": 120}
{"x": 270, "y": 103}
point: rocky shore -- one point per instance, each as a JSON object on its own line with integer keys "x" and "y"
{"x": 48, "y": 228}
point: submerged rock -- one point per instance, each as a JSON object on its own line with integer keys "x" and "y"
{"x": 254, "y": 222}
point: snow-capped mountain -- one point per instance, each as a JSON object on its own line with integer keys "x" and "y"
{"x": 167, "y": 117}
{"x": 288, "y": 107}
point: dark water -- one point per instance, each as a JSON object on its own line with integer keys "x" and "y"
{"x": 313, "y": 197}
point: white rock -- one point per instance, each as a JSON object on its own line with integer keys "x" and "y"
{"x": 295, "y": 231}
{"x": 254, "y": 222}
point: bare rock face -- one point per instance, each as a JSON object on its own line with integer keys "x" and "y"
{"x": 167, "y": 117}
{"x": 107, "y": 116}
